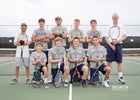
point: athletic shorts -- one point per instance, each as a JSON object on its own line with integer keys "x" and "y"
{"x": 22, "y": 61}
{"x": 79, "y": 67}
{"x": 115, "y": 55}
{"x": 54, "y": 71}
{"x": 46, "y": 52}
{"x": 101, "y": 69}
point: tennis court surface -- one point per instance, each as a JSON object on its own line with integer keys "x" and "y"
{"x": 23, "y": 91}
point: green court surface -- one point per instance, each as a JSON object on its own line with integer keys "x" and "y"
{"x": 23, "y": 91}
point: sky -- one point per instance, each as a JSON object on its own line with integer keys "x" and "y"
{"x": 15, "y": 12}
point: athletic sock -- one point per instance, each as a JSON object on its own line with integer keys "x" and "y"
{"x": 120, "y": 74}
{"x": 45, "y": 80}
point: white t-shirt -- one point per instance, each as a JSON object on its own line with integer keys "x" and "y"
{"x": 23, "y": 37}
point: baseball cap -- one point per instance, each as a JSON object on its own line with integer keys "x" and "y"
{"x": 23, "y": 24}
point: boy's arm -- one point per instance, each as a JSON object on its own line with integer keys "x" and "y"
{"x": 38, "y": 38}
{"x": 90, "y": 59}
{"x": 16, "y": 43}
{"x": 47, "y": 39}
{"x": 104, "y": 58}
{"x": 34, "y": 62}
{"x": 65, "y": 60}
{"x": 52, "y": 61}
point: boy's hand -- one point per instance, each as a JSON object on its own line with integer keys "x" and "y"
{"x": 97, "y": 59}
{"x": 59, "y": 60}
{"x": 38, "y": 61}
{"x": 90, "y": 37}
{"x": 76, "y": 60}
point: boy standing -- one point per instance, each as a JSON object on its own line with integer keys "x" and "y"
{"x": 76, "y": 32}
{"x": 22, "y": 42}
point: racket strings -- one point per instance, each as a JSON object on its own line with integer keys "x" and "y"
{"x": 114, "y": 33}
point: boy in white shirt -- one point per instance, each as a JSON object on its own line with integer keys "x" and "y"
{"x": 22, "y": 42}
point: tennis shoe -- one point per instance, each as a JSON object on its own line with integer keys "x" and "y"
{"x": 105, "y": 84}
{"x": 14, "y": 81}
{"x": 108, "y": 80}
{"x": 121, "y": 80}
{"x": 63, "y": 84}
{"x": 28, "y": 81}
{"x": 84, "y": 84}
{"x": 46, "y": 86}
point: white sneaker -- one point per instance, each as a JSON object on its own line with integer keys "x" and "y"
{"x": 105, "y": 84}
{"x": 108, "y": 80}
{"x": 46, "y": 85}
{"x": 50, "y": 80}
{"x": 66, "y": 81}
{"x": 121, "y": 80}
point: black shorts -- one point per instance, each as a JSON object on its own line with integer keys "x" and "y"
{"x": 54, "y": 71}
{"x": 79, "y": 67}
{"x": 46, "y": 52}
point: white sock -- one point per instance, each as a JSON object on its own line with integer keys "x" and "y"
{"x": 89, "y": 77}
{"x": 105, "y": 81}
{"x": 120, "y": 74}
{"x": 45, "y": 80}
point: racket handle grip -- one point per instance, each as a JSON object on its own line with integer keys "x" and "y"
{"x": 59, "y": 65}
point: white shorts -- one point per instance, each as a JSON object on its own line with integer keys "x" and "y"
{"x": 22, "y": 61}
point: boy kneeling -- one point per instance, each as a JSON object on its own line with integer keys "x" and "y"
{"x": 76, "y": 56}
{"x": 96, "y": 56}
{"x": 38, "y": 59}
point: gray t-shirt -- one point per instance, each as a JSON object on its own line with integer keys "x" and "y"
{"x": 56, "y": 53}
{"x": 75, "y": 53}
{"x": 60, "y": 29}
{"x": 41, "y": 56}
{"x": 40, "y": 32}
{"x": 93, "y": 33}
{"x": 94, "y": 52}
{"x": 76, "y": 33}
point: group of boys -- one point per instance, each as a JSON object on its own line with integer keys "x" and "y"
{"x": 76, "y": 54}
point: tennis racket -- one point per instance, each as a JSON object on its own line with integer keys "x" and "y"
{"x": 21, "y": 47}
{"x": 36, "y": 81}
{"x": 76, "y": 76}
{"x": 96, "y": 77}
{"x": 57, "y": 79}
{"x": 114, "y": 33}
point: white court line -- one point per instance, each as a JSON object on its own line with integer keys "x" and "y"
{"x": 70, "y": 92}
{"x": 7, "y": 63}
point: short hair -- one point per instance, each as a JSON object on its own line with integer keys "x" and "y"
{"x": 95, "y": 37}
{"x": 39, "y": 43}
{"x": 93, "y": 20}
{"x": 115, "y": 15}
{"x": 77, "y": 20}
{"x": 76, "y": 38}
{"x": 58, "y": 38}
{"x": 23, "y": 24}
{"x": 58, "y": 18}
{"x": 41, "y": 20}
